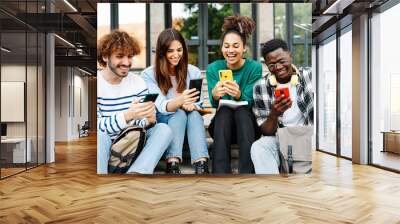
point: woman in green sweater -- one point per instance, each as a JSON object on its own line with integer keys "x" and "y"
{"x": 239, "y": 123}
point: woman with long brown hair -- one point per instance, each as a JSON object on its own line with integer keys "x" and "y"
{"x": 176, "y": 104}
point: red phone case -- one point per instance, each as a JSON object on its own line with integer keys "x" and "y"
{"x": 282, "y": 91}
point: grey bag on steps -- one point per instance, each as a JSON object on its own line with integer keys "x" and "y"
{"x": 295, "y": 145}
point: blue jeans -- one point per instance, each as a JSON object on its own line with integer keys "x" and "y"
{"x": 265, "y": 155}
{"x": 179, "y": 122}
{"x": 158, "y": 139}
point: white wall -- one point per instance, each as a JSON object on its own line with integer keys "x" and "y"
{"x": 314, "y": 84}
{"x": 80, "y": 112}
{"x": 71, "y": 102}
{"x": 33, "y": 126}
{"x": 16, "y": 73}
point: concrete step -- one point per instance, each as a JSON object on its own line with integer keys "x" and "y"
{"x": 186, "y": 166}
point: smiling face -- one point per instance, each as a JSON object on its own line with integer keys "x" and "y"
{"x": 174, "y": 53}
{"x": 279, "y": 63}
{"x": 233, "y": 50}
{"x": 119, "y": 63}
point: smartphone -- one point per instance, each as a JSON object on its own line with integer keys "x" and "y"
{"x": 150, "y": 97}
{"x": 197, "y": 84}
{"x": 225, "y": 75}
{"x": 282, "y": 92}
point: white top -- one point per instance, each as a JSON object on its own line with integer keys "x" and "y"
{"x": 293, "y": 115}
{"x": 174, "y": 85}
{"x": 113, "y": 100}
{"x": 162, "y": 100}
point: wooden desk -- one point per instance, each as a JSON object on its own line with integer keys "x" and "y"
{"x": 13, "y": 150}
{"x": 391, "y": 141}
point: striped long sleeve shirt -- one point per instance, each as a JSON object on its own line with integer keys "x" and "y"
{"x": 113, "y": 100}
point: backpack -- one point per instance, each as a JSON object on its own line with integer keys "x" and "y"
{"x": 126, "y": 148}
{"x": 295, "y": 145}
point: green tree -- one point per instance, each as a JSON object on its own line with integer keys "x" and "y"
{"x": 216, "y": 14}
{"x": 301, "y": 30}
{"x": 302, "y": 33}
{"x": 280, "y": 21}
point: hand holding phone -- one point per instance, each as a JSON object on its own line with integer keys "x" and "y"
{"x": 188, "y": 96}
{"x": 188, "y": 107}
{"x": 150, "y": 97}
{"x": 233, "y": 89}
{"x": 218, "y": 91}
{"x": 139, "y": 110}
{"x": 282, "y": 101}
{"x": 282, "y": 92}
{"x": 225, "y": 75}
{"x": 196, "y": 84}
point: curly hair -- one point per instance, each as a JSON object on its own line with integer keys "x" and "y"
{"x": 241, "y": 25}
{"x": 116, "y": 41}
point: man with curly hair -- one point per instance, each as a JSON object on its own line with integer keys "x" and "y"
{"x": 118, "y": 105}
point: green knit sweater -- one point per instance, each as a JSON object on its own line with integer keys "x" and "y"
{"x": 245, "y": 76}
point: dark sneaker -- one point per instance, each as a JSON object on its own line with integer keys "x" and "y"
{"x": 173, "y": 168}
{"x": 201, "y": 167}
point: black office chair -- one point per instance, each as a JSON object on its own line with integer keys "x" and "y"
{"x": 84, "y": 130}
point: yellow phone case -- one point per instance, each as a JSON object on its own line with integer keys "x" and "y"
{"x": 225, "y": 75}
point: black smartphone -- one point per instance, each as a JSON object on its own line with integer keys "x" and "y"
{"x": 150, "y": 97}
{"x": 197, "y": 84}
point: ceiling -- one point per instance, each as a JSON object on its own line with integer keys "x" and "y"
{"x": 74, "y": 21}
{"x": 329, "y": 14}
